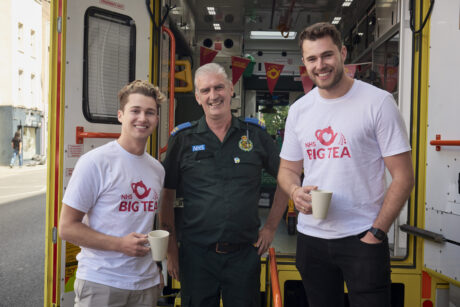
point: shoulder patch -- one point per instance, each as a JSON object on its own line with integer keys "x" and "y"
{"x": 181, "y": 127}
{"x": 255, "y": 121}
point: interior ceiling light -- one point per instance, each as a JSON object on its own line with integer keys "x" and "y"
{"x": 271, "y": 35}
{"x": 217, "y": 26}
{"x": 211, "y": 10}
{"x": 336, "y": 20}
{"x": 347, "y": 2}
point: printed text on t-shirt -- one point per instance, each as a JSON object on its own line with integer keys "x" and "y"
{"x": 133, "y": 203}
{"x": 327, "y": 137}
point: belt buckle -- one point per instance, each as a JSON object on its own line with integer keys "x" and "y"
{"x": 218, "y": 250}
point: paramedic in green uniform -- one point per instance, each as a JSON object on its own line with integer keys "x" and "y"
{"x": 216, "y": 162}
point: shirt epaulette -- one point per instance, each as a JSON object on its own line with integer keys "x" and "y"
{"x": 181, "y": 127}
{"x": 255, "y": 121}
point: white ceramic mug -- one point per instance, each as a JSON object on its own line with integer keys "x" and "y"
{"x": 320, "y": 201}
{"x": 158, "y": 240}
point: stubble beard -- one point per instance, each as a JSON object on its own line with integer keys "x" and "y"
{"x": 336, "y": 80}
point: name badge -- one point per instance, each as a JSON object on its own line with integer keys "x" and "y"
{"x": 198, "y": 147}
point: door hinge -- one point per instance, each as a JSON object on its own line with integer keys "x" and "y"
{"x": 59, "y": 24}
{"x": 54, "y": 235}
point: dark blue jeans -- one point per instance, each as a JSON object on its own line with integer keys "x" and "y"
{"x": 325, "y": 264}
{"x": 18, "y": 154}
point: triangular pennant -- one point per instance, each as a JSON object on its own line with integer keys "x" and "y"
{"x": 306, "y": 81}
{"x": 389, "y": 78}
{"x": 273, "y": 72}
{"x": 206, "y": 55}
{"x": 350, "y": 70}
{"x": 238, "y": 67}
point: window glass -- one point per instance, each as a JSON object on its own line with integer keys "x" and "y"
{"x": 386, "y": 64}
{"x": 108, "y": 62}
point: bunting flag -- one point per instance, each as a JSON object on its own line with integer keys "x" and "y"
{"x": 362, "y": 69}
{"x": 238, "y": 67}
{"x": 390, "y": 80}
{"x": 273, "y": 72}
{"x": 206, "y": 55}
{"x": 350, "y": 70}
{"x": 306, "y": 81}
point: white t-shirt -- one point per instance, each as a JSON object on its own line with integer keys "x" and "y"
{"x": 119, "y": 193}
{"x": 342, "y": 143}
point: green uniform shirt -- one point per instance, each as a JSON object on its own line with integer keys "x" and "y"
{"x": 220, "y": 181}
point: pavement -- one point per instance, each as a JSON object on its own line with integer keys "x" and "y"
{"x": 18, "y": 183}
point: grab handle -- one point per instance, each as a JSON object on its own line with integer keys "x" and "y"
{"x": 276, "y": 293}
{"x": 438, "y": 142}
{"x": 172, "y": 68}
{"x": 81, "y": 134}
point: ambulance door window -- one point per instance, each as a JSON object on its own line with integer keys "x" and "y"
{"x": 109, "y": 62}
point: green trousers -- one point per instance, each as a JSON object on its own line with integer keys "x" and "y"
{"x": 205, "y": 276}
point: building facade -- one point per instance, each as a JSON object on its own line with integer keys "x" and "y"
{"x": 23, "y": 77}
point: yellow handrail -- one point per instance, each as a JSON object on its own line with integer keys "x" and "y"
{"x": 184, "y": 75}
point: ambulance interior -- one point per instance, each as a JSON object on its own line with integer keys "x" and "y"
{"x": 383, "y": 49}
{"x": 266, "y": 31}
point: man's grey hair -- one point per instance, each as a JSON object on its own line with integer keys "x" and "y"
{"x": 210, "y": 68}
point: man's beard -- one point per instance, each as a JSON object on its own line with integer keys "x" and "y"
{"x": 337, "y": 78}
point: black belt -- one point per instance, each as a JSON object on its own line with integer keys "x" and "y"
{"x": 226, "y": 247}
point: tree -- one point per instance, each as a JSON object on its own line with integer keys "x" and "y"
{"x": 276, "y": 121}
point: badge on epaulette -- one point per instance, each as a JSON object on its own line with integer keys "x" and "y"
{"x": 255, "y": 121}
{"x": 245, "y": 143}
{"x": 180, "y": 127}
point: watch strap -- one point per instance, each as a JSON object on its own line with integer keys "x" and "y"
{"x": 378, "y": 233}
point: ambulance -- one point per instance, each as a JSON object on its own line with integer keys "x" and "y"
{"x": 409, "y": 48}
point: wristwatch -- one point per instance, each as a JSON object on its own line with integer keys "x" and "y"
{"x": 378, "y": 233}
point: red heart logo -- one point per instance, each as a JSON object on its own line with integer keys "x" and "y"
{"x": 326, "y": 136}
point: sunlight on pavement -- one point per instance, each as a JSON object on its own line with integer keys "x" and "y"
{"x": 19, "y": 183}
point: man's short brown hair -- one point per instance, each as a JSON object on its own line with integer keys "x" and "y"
{"x": 140, "y": 87}
{"x": 320, "y": 30}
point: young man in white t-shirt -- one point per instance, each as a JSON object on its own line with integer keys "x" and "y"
{"x": 342, "y": 135}
{"x": 109, "y": 207}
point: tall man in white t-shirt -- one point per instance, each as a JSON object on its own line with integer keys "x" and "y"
{"x": 109, "y": 206}
{"x": 342, "y": 135}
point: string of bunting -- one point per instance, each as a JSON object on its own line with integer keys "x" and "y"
{"x": 239, "y": 65}
{"x": 273, "y": 71}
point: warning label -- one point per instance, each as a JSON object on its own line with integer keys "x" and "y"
{"x": 68, "y": 172}
{"x": 74, "y": 151}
